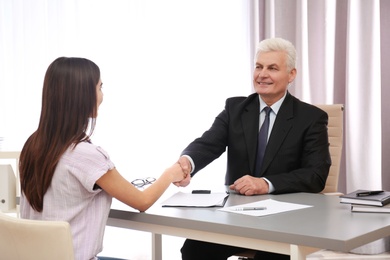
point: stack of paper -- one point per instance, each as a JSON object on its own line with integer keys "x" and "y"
{"x": 264, "y": 207}
{"x": 368, "y": 208}
{"x": 182, "y": 199}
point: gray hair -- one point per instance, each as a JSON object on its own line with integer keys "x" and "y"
{"x": 278, "y": 44}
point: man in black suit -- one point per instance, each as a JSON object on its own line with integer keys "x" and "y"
{"x": 296, "y": 157}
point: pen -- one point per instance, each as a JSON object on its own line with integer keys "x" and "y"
{"x": 249, "y": 208}
{"x": 368, "y": 193}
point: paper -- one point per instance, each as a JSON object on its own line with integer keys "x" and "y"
{"x": 181, "y": 199}
{"x": 272, "y": 207}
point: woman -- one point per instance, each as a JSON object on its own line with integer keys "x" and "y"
{"x": 66, "y": 177}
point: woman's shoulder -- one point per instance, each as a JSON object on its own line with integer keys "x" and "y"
{"x": 87, "y": 150}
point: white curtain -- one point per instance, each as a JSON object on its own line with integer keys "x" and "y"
{"x": 363, "y": 96}
{"x": 339, "y": 46}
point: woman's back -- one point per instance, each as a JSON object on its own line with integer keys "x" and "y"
{"x": 74, "y": 197}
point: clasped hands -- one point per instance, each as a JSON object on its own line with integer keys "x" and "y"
{"x": 246, "y": 185}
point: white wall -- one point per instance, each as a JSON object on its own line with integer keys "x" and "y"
{"x": 167, "y": 68}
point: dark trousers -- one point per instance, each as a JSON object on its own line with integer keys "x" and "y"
{"x": 195, "y": 250}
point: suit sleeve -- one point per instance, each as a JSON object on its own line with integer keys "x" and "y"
{"x": 210, "y": 145}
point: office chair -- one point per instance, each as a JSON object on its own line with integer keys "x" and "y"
{"x": 22, "y": 239}
{"x": 335, "y": 133}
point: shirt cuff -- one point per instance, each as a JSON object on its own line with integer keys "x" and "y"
{"x": 270, "y": 186}
{"x": 192, "y": 163}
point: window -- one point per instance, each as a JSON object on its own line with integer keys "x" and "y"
{"x": 167, "y": 68}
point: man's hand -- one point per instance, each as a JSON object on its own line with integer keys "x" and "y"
{"x": 249, "y": 185}
{"x": 186, "y": 167}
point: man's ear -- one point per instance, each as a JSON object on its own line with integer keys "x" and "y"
{"x": 292, "y": 75}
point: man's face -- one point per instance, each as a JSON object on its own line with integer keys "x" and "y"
{"x": 271, "y": 76}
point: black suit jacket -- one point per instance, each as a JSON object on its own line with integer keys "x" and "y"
{"x": 297, "y": 155}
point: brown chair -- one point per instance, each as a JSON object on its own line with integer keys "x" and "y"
{"x": 335, "y": 133}
{"x": 34, "y": 239}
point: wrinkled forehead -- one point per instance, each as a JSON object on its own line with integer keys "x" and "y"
{"x": 272, "y": 58}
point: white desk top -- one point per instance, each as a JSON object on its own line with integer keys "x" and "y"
{"x": 328, "y": 224}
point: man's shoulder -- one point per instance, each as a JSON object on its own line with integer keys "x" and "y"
{"x": 304, "y": 106}
{"x": 241, "y": 99}
{"x": 236, "y": 99}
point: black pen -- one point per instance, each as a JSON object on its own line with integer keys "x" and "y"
{"x": 368, "y": 193}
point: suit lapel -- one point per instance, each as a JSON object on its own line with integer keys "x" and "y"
{"x": 280, "y": 129}
{"x": 250, "y": 123}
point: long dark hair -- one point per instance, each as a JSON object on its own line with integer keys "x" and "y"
{"x": 69, "y": 107}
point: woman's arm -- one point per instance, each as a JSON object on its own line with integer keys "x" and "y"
{"x": 118, "y": 187}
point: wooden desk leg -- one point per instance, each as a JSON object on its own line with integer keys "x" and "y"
{"x": 300, "y": 252}
{"x": 156, "y": 246}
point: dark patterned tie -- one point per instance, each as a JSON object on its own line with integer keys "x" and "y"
{"x": 262, "y": 141}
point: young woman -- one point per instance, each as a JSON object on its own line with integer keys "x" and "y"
{"x": 64, "y": 176}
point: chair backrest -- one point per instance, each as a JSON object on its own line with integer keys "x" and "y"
{"x": 34, "y": 239}
{"x": 335, "y": 133}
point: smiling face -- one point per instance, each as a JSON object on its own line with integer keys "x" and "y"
{"x": 271, "y": 76}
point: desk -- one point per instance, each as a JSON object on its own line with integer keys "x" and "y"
{"x": 327, "y": 225}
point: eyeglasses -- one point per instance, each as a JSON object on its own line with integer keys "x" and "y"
{"x": 139, "y": 183}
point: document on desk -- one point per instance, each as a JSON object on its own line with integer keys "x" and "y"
{"x": 182, "y": 199}
{"x": 264, "y": 208}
